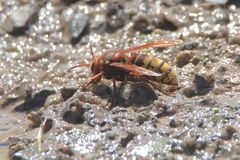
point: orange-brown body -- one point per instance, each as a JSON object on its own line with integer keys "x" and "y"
{"x": 128, "y": 65}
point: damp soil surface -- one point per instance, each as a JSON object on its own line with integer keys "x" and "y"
{"x": 46, "y": 115}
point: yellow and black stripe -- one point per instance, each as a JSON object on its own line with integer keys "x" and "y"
{"x": 157, "y": 65}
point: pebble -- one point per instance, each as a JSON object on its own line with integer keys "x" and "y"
{"x": 165, "y": 23}
{"x": 142, "y": 24}
{"x": 203, "y": 81}
{"x": 237, "y": 59}
{"x": 116, "y": 16}
{"x": 221, "y": 15}
{"x": 66, "y": 150}
{"x": 189, "y": 145}
{"x": 137, "y": 93}
{"x": 173, "y": 123}
{"x": 235, "y": 39}
{"x": 103, "y": 91}
{"x": 126, "y": 138}
{"x": 73, "y": 112}
{"x": 47, "y": 125}
{"x": 66, "y": 93}
{"x": 33, "y": 56}
{"x": 189, "y": 46}
{"x": 227, "y": 132}
{"x": 35, "y": 119}
{"x": 68, "y": 2}
{"x": 183, "y": 58}
{"x": 35, "y": 100}
{"x": 217, "y": 1}
{"x": 77, "y": 26}
{"x": 20, "y": 19}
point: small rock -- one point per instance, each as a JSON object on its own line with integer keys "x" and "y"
{"x": 77, "y": 25}
{"x": 234, "y": 40}
{"x": 111, "y": 135}
{"x": 217, "y": 1}
{"x": 141, "y": 118}
{"x": 67, "y": 92}
{"x": 66, "y": 150}
{"x": 33, "y": 56}
{"x": 68, "y": 2}
{"x": 183, "y": 58}
{"x": 34, "y": 101}
{"x": 47, "y": 125}
{"x": 195, "y": 60}
{"x": 16, "y": 144}
{"x": 200, "y": 123}
{"x": 221, "y": 15}
{"x": 189, "y": 46}
{"x": 15, "y": 148}
{"x": 188, "y": 2}
{"x": 142, "y": 24}
{"x": 93, "y": 2}
{"x": 73, "y": 112}
{"x": 189, "y": 145}
{"x": 99, "y": 23}
{"x": 162, "y": 110}
{"x": 35, "y": 119}
{"x": 234, "y": 2}
{"x": 203, "y": 84}
{"x": 222, "y": 69}
{"x": 116, "y": 16}
{"x": 126, "y": 138}
{"x": 228, "y": 132}
{"x": 137, "y": 93}
{"x": 19, "y": 19}
{"x": 189, "y": 92}
{"x": 237, "y": 59}
{"x": 173, "y": 123}
{"x": 96, "y": 117}
{"x": 103, "y": 91}
{"x": 165, "y": 23}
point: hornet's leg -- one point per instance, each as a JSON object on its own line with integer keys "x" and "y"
{"x": 94, "y": 79}
{"x": 115, "y": 92}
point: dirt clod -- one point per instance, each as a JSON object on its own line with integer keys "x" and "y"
{"x": 227, "y": 132}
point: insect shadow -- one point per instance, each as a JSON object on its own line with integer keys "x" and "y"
{"x": 128, "y": 94}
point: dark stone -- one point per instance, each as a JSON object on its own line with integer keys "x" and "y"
{"x": 142, "y": 24}
{"x": 189, "y": 145}
{"x": 103, "y": 91}
{"x": 136, "y": 93}
{"x": 34, "y": 101}
{"x": 164, "y": 23}
{"x": 19, "y": 20}
{"x": 74, "y": 112}
{"x": 203, "y": 84}
{"x": 189, "y": 46}
{"x": 173, "y": 123}
{"x": 116, "y": 16}
{"x": 68, "y": 2}
{"x": 78, "y": 26}
{"x": 66, "y": 93}
{"x": 228, "y": 132}
{"x": 126, "y": 138}
{"x": 234, "y": 2}
{"x": 237, "y": 59}
{"x": 66, "y": 150}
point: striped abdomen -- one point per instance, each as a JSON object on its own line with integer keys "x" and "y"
{"x": 155, "y": 64}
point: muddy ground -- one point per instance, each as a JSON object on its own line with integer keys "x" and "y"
{"x": 44, "y": 114}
